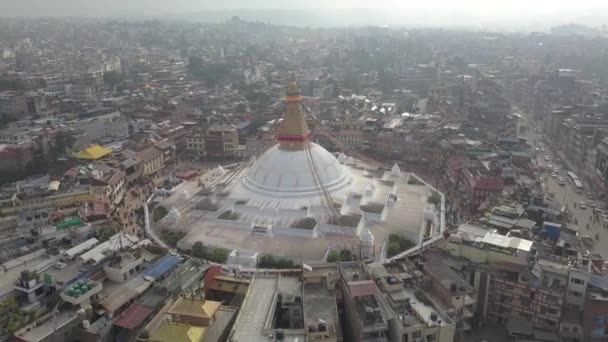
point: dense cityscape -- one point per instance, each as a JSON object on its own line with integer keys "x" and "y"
{"x": 166, "y": 180}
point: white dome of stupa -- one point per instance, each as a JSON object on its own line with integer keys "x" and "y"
{"x": 284, "y": 174}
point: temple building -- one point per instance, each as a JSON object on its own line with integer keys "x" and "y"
{"x": 299, "y": 201}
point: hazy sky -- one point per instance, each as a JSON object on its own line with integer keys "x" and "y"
{"x": 156, "y": 7}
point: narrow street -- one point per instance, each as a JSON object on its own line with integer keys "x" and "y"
{"x": 566, "y": 194}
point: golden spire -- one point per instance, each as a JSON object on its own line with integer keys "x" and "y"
{"x": 293, "y": 133}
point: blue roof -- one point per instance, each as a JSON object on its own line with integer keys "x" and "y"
{"x": 243, "y": 124}
{"x": 162, "y": 266}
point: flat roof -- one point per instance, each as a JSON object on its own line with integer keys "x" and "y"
{"x": 319, "y": 304}
{"x": 252, "y": 317}
{"x": 507, "y": 242}
{"x": 447, "y": 276}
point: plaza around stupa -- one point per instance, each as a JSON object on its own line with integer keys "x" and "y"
{"x": 299, "y": 201}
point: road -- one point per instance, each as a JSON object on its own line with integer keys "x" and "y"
{"x": 566, "y": 194}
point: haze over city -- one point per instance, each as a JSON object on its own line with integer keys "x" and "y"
{"x": 303, "y": 171}
{"x": 473, "y": 14}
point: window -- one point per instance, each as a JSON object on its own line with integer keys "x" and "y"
{"x": 430, "y": 338}
{"x": 416, "y": 334}
{"x": 577, "y": 281}
{"x": 575, "y": 293}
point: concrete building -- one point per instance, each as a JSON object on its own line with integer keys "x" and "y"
{"x": 152, "y": 159}
{"x": 272, "y": 307}
{"x": 13, "y": 104}
{"x": 367, "y": 318}
{"x": 195, "y": 143}
{"x": 221, "y": 141}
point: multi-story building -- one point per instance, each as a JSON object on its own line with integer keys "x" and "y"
{"x": 195, "y": 143}
{"x": 221, "y": 141}
{"x": 13, "y": 104}
{"x": 17, "y": 157}
{"x": 107, "y": 184}
{"x": 352, "y": 138}
{"x": 454, "y": 293}
{"x": 601, "y": 160}
{"x": 152, "y": 159}
{"x": 413, "y": 314}
{"x": 480, "y": 186}
{"x": 595, "y": 314}
{"x": 366, "y": 317}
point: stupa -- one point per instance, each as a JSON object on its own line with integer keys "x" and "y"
{"x": 284, "y": 176}
{"x": 279, "y": 204}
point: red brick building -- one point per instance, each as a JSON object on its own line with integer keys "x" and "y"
{"x": 481, "y": 186}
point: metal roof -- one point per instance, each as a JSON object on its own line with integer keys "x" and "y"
{"x": 161, "y": 266}
{"x": 507, "y": 242}
{"x": 133, "y": 316}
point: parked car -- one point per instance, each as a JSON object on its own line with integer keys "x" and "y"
{"x": 582, "y": 205}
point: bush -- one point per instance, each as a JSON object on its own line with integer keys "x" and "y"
{"x": 342, "y": 255}
{"x": 434, "y": 198}
{"x": 171, "y": 238}
{"x": 268, "y": 261}
{"x": 397, "y": 244}
{"x": 198, "y": 250}
{"x": 159, "y": 213}
{"x": 104, "y": 233}
{"x": 219, "y": 255}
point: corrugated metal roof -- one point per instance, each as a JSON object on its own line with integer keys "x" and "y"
{"x": 133, "y": 316}
{"x": 172, "y": 332}
{"x": 194, "y": 307}
{"x": 162, "y": 266}
{"x": 507, "y": 242}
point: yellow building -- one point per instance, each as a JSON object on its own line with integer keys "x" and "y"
{"x": 174, "y": 332}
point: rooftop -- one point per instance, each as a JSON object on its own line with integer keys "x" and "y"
{"x": 173, "y": 332}
{"x": 251, "y": 323}
{"x": 447, "y": 277}
{"x": 194, "y": 307}
{"x": 92, "y": 152}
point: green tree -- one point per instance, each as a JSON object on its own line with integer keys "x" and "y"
{"x": 199, "y": 250}
{"x": 346, "y": 255}
{"x": 112, "y": 78}
{"x": 333, "y": 256}
{"x": 219, "y": 255}
{"x": 268, "y": 261}
{"x": 397, "y": 244}
{"x": 159, "y": 213}
{"x": 105, "y": 232}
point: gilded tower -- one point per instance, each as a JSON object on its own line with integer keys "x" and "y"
{"x": 293, "y": 133}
